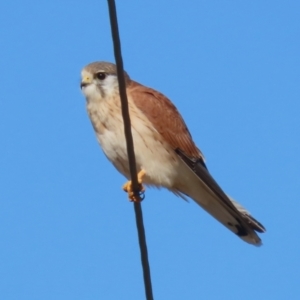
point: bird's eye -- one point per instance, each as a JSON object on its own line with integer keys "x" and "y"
{"x": 101, "y": 75}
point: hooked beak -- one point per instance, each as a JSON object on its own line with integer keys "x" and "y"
{"x": 86, "y": 80}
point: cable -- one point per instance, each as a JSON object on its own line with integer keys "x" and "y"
{"x": 130, "y": 149}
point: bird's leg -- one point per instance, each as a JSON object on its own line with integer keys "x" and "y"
{"x": 127, "y": 187}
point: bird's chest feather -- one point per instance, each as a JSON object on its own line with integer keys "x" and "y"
{"x": 107, "y": 121}
{"x": 152, "y": 154}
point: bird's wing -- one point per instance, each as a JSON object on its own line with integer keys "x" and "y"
{"x": 202, "y": 172}
{"x": 166, "y": 119}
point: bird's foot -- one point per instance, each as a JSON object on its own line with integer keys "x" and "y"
{"x": 127, "y": 187}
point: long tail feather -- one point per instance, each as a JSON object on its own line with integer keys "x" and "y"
{"x": 204, "y": 190}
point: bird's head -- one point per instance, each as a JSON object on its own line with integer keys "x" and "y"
{"x": 99, "y": 79}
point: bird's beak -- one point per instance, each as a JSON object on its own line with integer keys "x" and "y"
{"x": 86, "y": 80}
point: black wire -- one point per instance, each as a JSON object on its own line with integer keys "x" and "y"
{"x": 130, "y": 148}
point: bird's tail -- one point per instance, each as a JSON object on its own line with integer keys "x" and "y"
{"x": 239, "y": 222}
{"x": 204, "y": 190}
{"x": 255, "y": 225}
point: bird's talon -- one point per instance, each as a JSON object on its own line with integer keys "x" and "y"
{"x": 131, "y": 195}
{"x": 127, "y": 187}
{"x": 142, "y": 195}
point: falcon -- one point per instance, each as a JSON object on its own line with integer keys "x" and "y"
{"x": 166, "y": 155}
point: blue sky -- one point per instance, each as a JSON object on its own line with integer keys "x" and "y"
{"x": 67, "y": 230}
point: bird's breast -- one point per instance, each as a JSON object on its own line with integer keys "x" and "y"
{"x": 107, "y": 121}
{"x": 151, "y": 151}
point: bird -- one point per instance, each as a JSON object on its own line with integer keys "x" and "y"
{"x": 166, "y": 155}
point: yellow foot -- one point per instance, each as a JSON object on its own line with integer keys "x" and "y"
{"x": 127, "y": 187}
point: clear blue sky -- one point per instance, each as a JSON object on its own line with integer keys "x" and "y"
{"x": 67, "y": 230}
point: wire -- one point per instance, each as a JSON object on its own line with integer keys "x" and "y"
{"x": 130, "y": 149}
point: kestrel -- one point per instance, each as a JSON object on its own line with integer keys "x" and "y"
{"x": 166, "y": 155}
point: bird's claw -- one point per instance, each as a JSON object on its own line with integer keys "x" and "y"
{"x": 133, "y": 196}
{"x": 127, "y": 187}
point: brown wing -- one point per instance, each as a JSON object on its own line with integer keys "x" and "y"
{"x": 168, "y": 122}
{"x": 165, "y": 118}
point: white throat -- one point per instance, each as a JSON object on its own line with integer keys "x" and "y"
{"x": 107, "y": 88}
